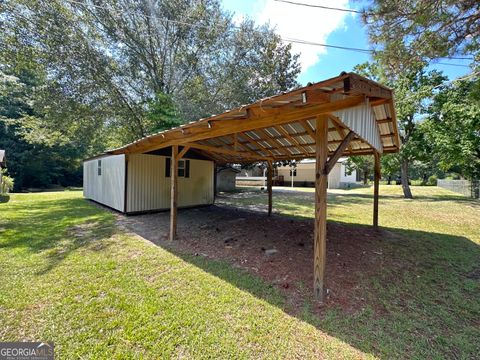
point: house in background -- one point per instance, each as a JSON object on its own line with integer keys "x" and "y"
{"x": 225, "y": 180}
{"x": 304, "y": 175}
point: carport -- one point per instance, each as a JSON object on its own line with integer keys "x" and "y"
{"x": 342, "y": 116}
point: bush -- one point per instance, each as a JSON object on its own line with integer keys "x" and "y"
{"x": 432, "y": 180}
{"x": 6, "y": 184}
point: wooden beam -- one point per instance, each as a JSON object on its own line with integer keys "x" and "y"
{"x": 256, "y": 143}
{"x": 320, "y": 233}
{"x": 173, "y": 192}
{"x": 273, "y": 143}
{"x": 376, "y": 185}
{"x": 340, "y": 129}
{"x": 183, "y": 152}
{"x": 238, "y": 144}
{"x": 269, "y": 186}
{"x": 338, "y": 153}
{"x": 290, "y": 138}
{"x": 226, "y": 151}
{"x": 257, "y": 120}
{"x": 307, "y": 128}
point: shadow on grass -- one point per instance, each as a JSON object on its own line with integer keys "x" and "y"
{"x": 422, "y": 302}
{"x": 72, "y": 224}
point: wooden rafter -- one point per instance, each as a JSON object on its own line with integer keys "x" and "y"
{"x": 340, "y": 129}
{"x": 339, "y": 152}
{"x": 294, "y": 141}
{"x": 255, "y": 121}
{"x": 273, "y": 143}
{"x": 221, "y": 150}
{"x": 256, "y": 143}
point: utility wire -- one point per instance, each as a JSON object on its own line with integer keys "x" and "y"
{"x": 291, "y": 40}
{"x": 321, "y": 6}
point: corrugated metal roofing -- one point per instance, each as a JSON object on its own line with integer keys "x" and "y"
{"x": 282, "y": 127}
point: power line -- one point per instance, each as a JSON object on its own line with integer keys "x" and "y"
{"x": 321, "y": 6}
{"x": 291, "y": 40}
{"x": 442, "y": 63}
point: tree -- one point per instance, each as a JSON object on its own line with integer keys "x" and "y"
{"x": 117, "y": 57}
{"x": 112, "y": 71}
{"x": 363, "y": 164}
{"x": 411, "y": 31}
{"x": 453, "y": 129}
{"x": 413, "y": 87}
{"x": 390, "y": 164}
{"x": 35, "y": 157}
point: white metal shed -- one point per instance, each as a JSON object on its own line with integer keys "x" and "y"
{"x": 137, "y": 183}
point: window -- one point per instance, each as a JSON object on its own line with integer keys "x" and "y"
{"x": 183, "y": 168}
{"x": 293, "y": 172}
{"x": 99, "y": 167}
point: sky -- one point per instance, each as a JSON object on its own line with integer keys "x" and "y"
{"x": 320, "y": 26}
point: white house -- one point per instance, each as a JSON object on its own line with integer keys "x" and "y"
{"x": 304, "y": 175}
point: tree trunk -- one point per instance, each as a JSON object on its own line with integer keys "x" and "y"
{"x": 389, "y": 180}
{"x": 406, "y": 188}
{"x": 365, "y": 178}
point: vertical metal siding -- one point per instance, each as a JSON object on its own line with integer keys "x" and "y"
{"x": 148, "y": 189}
{"x": 361, "y": 119}
{"x": 108, "y": 188}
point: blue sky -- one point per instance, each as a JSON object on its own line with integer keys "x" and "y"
{"x": 321, "y": 26}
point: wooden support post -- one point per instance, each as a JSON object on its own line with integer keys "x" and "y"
{"x": 269, "y": 186}
{"x": 173, "y": 192}
{"x": 321, "y": 178}
{"x": 376, "y": 184}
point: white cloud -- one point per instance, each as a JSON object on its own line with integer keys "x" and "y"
{"x": 305, "y": 23}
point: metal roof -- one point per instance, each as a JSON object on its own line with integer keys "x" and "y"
{"x": 282, "y": 127}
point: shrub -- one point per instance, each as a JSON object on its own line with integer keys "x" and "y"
{"x": 6, "y": 184}
{"x": 432, "y": 180}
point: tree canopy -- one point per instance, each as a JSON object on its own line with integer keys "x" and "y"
{"x": 109, "y": 72}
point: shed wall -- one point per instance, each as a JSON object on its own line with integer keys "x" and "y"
{"x": 226, "y": 180}
{"x": 148, "y": 188}
{"x": 107, "y": 188}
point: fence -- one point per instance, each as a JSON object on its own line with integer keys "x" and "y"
{"x": 464, "y": 187}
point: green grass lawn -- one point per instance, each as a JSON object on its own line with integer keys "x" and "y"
{"x": 68, "y": 275}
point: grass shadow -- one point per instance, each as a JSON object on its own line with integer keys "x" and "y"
{"x": 419, "y": 301}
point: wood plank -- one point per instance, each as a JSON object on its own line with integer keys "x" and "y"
{"x": 256, "y": 143}
{"x": 221, "y": 150}
{"x": 226, "y": 127}
{"x": 290, "y": 138}
{"x": 376, "y": 186}
{"x": 320, "y": 233}
{"x": 340, "y": 129}
{"x": 173, "y": 192}
{"x": 339, "y": 152}
{"x": 183, "y": 152}
{"x": 236, "y": 144}
{"x": 273, "y": 143}
{"x": 269, "y": 186}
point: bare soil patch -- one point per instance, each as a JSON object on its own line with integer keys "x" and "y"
{"x": 278, "y": 249}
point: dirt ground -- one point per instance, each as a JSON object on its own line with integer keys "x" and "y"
{"x": 246, "y": 238}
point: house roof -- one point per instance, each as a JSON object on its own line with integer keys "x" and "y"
{"x": 282, "y": 127}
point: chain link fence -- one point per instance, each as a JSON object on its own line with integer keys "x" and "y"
{"x": 464, "y": 187}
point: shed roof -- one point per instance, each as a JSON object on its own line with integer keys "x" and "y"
{"x": 282, "y": 127}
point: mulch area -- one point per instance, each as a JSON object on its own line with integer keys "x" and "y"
{"x": 278, "y": 249}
